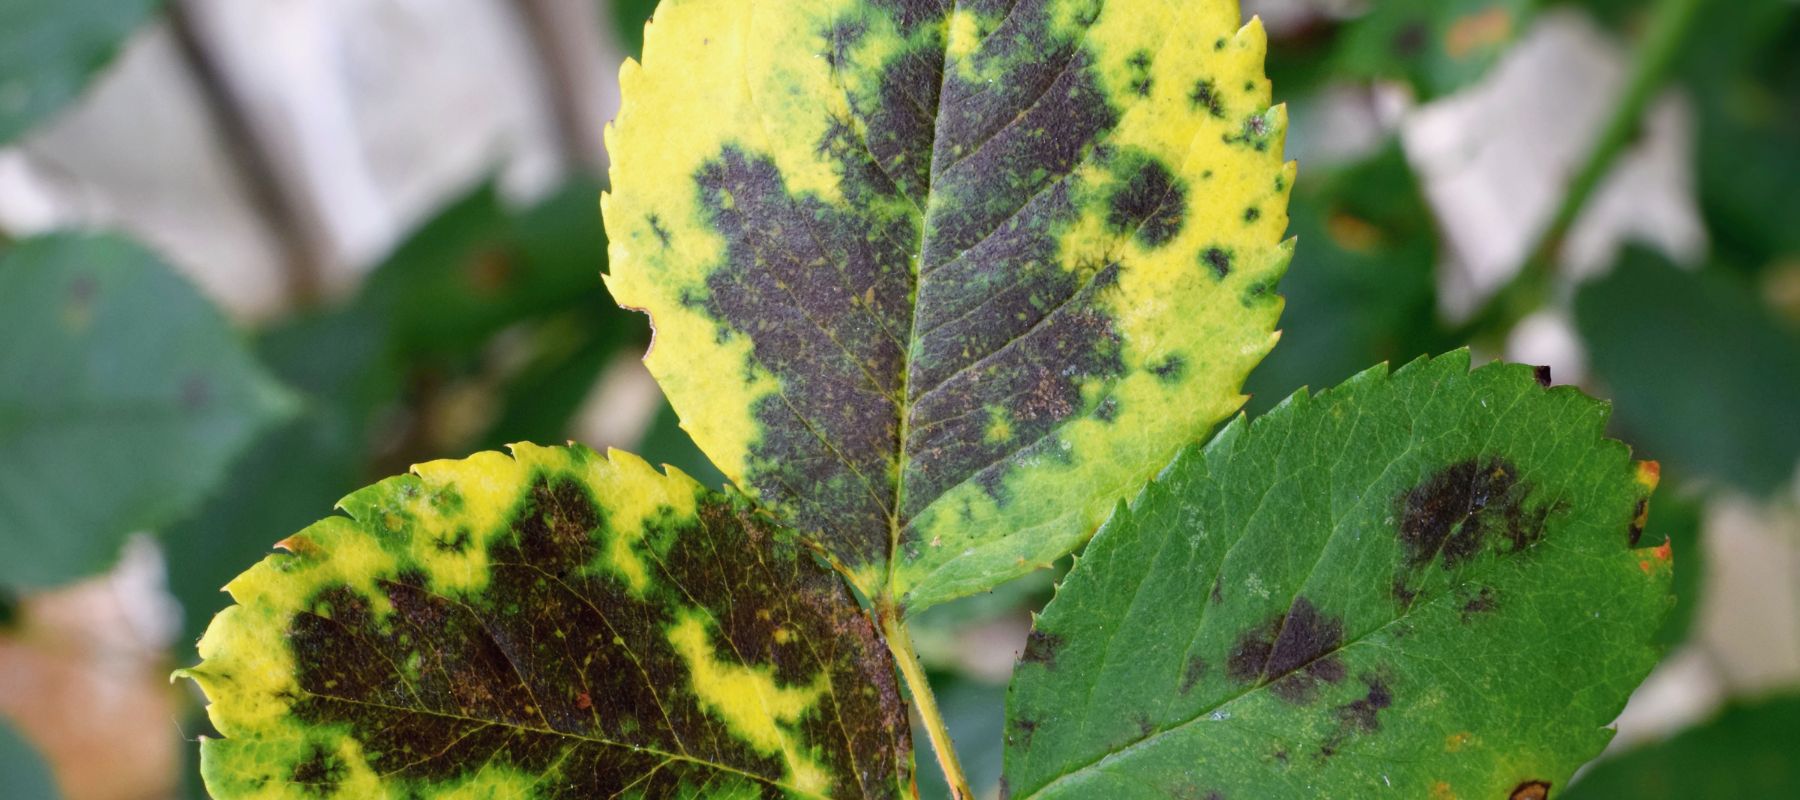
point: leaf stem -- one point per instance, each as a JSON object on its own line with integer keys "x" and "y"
{"x": 1668, "y": 28}
{"x": 899, "y": 642}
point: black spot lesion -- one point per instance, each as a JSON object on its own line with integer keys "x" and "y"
{"x": 1151, "y": 200}
{"x": 655, "y": 224}
{"x": 1217, "y": 259}
{"x": 1255, "y": 133}
{"x": 1138, "y": 65}
{"x": 319, "y": 773}
{"x": 458, "y": 543}
{"x": 1360, "y": 716}
{"x": 1481, "y": 602}
{"x": 1041, "y": 648}
{"x": 557, "y": 523}
{"x": 1294, "y": 653}
{"x": 1205, "y": 95}
{"x": 1170, "y": 369}
{"x": 1463, "y": 510}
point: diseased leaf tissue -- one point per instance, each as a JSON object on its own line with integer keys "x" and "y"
{"x": 940, "y": 282}
{"x": 939, "y": 285}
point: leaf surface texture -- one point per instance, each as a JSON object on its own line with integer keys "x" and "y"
{"x": 1428, "y": 584}
{"x": 556, "y": 624}
{"x": 939, "y": 282}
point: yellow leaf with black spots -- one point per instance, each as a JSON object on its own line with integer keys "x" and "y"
{"x": 940, "y": 282}
{"x": 554, "y": 624}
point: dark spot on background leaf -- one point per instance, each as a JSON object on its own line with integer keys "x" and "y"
{"x": 1361, "y": 715}
{"x": 1542, "y": 374}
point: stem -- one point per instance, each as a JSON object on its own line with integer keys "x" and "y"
{"x": 1668, "y": 28}
{"x": 899, "y": 642}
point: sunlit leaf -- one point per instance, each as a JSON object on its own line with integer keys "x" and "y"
{"x": 123, "y": 397}
{"x": 1428, "y": 584}
{"x": 557, "y": 624}
{"x": 1747, "y": 751}
{"x": 49, "y": 49}
{"x": 938, "y": 282}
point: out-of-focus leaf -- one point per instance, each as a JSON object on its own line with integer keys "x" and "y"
{"x": 474, "y": 268}
{"x": 572, "y": 350}
{"x": 1419, "y": 584}
{"x": 976, "y": 714}
{"x": 1676, "y": 519}
{"x": 939, "y": 285}
{"x": 49, "y": 49}
{"x": 628, "y": 18}
{"x": 340, "y": 364}
{"x": 1361, "y": 287}
{"x": 1745, "y": 80}
{"x": 23, "y": 773}
{"x": 556, "y": 624}
{"x": 1438, "y": 46}
{"x": 123, "y": 397}
{"x": 1705, "y": 377}
{"x": 1746, "y": 752}
{"x": 563, "y": 237}
{"x": 666, "y": 443}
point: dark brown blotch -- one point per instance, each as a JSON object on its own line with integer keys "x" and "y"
{"x": 1293, "y": 653}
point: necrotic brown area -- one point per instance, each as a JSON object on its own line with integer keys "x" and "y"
{"x": 557, "y": 667}
{"x": 1531, "y": 790}
{"x": 1451, "y": 515}
{"x": 1294, "y": 653}
{"x": 968, "y": 305}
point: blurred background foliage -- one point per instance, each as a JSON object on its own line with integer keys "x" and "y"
{"x": 254, "y": 255}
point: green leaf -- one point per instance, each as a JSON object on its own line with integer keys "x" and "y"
{"x": 939, "y": 282}
{"x": 1421, "y": 584}
{"x": 1747, "y": 751}
{"x": 27, "y": 776}
{"x": 1437, "y": 46}
{"x": 554, "y": 624}
{"x": 1730, "y": 415}
{"x": 340, "y": 365}
{"x": 49, "y": 49}
{"x": 475, "y": 268}
{"x": 1361, "y": 288}
{"x": 123, "y": 396}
